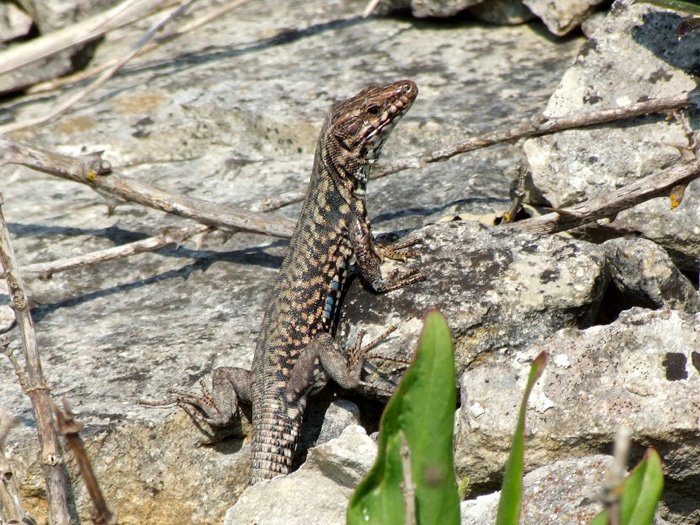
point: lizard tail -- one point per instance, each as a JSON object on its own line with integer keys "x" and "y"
{"x": 273, "y": 444}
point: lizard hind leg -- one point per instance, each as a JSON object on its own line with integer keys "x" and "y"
{"x": 323, "y": 359}
{"x": 219, "y": 407}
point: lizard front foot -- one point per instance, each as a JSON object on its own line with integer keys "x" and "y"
{"x": 397, "y": 251}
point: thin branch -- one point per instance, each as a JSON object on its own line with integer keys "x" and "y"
{"x": 371, "y": 6}
{"x": 610, "y": 204}
{"x": 612, "y": 486}
{"x": 62, "y": 108}
{"x": 38, "y": 392}
{"x": 90, "y": 170}
{"x": 408, "y": 488}
{"x": 167, "y": 237}
{"x": 70, "y": 429}
{"x": 536, "y": 126}
{"x": 57, "y": 83}
{"x": 278, "y": 201}
{"x": 85, "y": 31}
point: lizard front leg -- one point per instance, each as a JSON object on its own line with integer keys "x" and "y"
{"x": 369, "y": 253}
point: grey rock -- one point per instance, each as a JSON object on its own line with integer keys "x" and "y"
{"x": 591, "y": 24}
{"x": 502, "y": 12}
{"x": 330, "y": 474}
{"x": 563, "y": 492}
{"x": 635, "y": 55}
{"x": 644, "y": 273}
{"x": 7, "y": 314}
{"x": 52, "y": 15}
{"x": 640, "y": 371}
{"x": 499, "y": 291}
{"x": 425, "y": 8}
{"x": 562, "y": 16}
{"x": 340, "y": 415}
{"x": 43, "y": 69}
{"x": 14, "y": 23}
{"x": 442, "y": 8}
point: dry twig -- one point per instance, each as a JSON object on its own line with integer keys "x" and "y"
{"x": 85, "y": 31}
{"x": 608, "y": 205}
{"x": 11, "y": 509}
{"x": 536, "y": 126}
{"x": 62, "y": 108}
{"x": 46, "y": 269}
{"x": 70, "y": 429}
{"x": 371, "y": 6}
{"x": 91, "y": 169}
{"x": 33, "y": 383}
{"x": 68, "y": 80}
{"x": 408, "y": 488}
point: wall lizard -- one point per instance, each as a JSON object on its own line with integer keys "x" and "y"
{"x": 295, "y": 353}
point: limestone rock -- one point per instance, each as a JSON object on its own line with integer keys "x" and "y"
{"x": 14, "y": 23}
{"x": 634, "y": 55}
{"x": 229, "y": 113}
{"x": 499, "y": 291}
{"x": 562, "y": 16}
{"x": 563, "y": 492}
{"x": 644, "y": 273}
{"x": 502, "y": 12}
{"x": 330, "y": 475}
{"x": 639, "y": 371}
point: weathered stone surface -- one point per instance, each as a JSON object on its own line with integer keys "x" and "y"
{"x": 502, "y": 12}
{"x": 318, "y": 491}
{"x": 635, "y": 55}
{"x": 40, "y": 70}
{"x": 52, "y": 15}
{"x": 423, "y": 8}
{"x": 644, "y": 273}
{"x": 14, "y": 23}
{"x": 563, "y": 492}
{"x": 340, "y": 415}
{"x": 230, "y": 113}
{"x": 562, "y": 16}
{"x": 591, "y": 24}
{"x": 499, "y": 290}
{"x": 642, "y": 371}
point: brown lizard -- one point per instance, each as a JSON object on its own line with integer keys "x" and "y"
{"x": 295, "y": 353}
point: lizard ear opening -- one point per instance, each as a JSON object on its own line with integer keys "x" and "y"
{"x": 341, "y": 140}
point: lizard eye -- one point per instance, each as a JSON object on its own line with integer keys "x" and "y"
{"x": 373, "y": 110}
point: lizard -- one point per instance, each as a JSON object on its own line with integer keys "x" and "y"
{"x": 296, "y": 354}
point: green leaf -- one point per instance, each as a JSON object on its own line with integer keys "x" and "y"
{"x": 641, "y": 492}
{"x": 512, "y": 489}
{"x": 675, "y": 5}
{"x": 422, "y": 408}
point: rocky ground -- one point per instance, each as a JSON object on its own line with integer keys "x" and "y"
{"x": 230, "y": 113}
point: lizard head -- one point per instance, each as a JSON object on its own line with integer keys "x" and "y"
{"x": 361, "y": 124}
